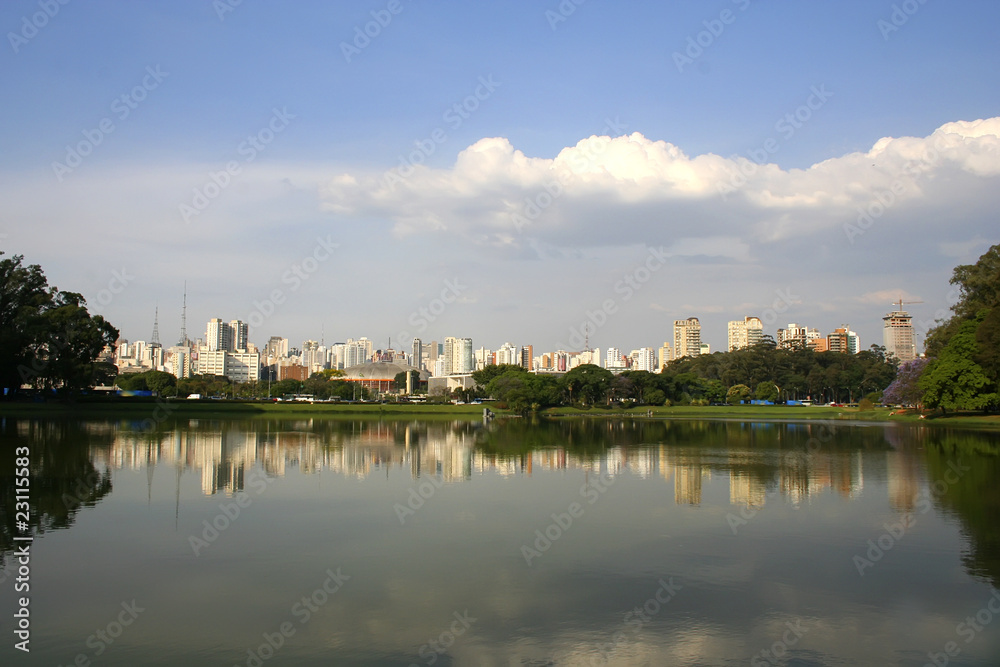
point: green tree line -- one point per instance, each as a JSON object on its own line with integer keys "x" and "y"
{"x": 763, "y": 371}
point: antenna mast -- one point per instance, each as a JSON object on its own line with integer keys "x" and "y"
{"x": 184, "y": 308}
{"x": 156, "y": 328}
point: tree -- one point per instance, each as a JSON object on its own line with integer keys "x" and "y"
{"x": 587, "y": 383}
{"x": 157, "y": 381}
{"x": 766, "y": 391}
{"x": 979, "y": 289}
{"x": 954, "y": 381}
{"x": 522, "y": 391}
{"x": 400, "y": 380}
{"x": 988, "y": 340}
{"x": 485, "y": 374}
{"x": 905, "y": 389}
{"x": 738, "y": 393}
{"x": 47, "y": 337}
{"x": 24, "y": 296}
{"x": 655, "y": 397}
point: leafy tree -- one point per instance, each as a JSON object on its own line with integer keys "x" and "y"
{"x": 988, "y": 340}
{"x": 522, "y": 391}
{"x": 485, "y": 374}
{"x": 954, "y": 381}
{"x": 766, "y": 391}
{"x": 206, "y": 385}
{"x": 24, "y": 296}
{"x": 157, "y": 381}
{"x": 655, "y": 397}
{"x": 979, "y": 289}
{"x": 588, "y": 384}
{"x": 738, "y": 393}
{"x": 47, "y": 337}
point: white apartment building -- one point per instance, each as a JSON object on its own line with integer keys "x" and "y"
{"x": 745, "y": 333}
{"x": 687, "y": 338}
{"x": 644, "y": 359}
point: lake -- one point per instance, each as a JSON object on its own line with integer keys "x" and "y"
{"x": 606, "y": 541}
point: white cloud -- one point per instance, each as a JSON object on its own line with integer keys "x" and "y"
{"x": 632, "y": 187}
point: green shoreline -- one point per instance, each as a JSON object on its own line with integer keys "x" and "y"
{"x": 181, "y": 408}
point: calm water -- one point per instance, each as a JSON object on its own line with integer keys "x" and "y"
{"x": 339, "y": 542}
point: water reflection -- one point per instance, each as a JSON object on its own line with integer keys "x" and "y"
{"x": 808, "y": 497}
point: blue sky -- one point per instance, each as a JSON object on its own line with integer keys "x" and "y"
{"x": 657, "y": 181}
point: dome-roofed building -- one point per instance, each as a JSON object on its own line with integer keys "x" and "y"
{"x": 380, "y": 376}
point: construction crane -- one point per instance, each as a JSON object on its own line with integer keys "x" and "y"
{"x": 901, "y": 302}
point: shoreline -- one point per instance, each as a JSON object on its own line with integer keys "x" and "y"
{"x": 222, "y": 409}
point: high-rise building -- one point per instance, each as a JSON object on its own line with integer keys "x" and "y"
{"x": 853, "y": 342}
{"x": 796, "y": 336}
{"x": 745, "y": 333}
{"x": 687, "y": 338}
{"x": 507, "y": 354}
{"x": 838, "y": 340}
{"x": 227, "y": 336}
{"x": 666, "y": 355}
{"x": 276, "y": 348}
{"x": 527, "y": 357}
{"x": 459, "y": 358}
{"x": 238, "y": 332}
{"x": 613, "y": 359}
{"x": 484, "y": 358}
{"x": 417, "y": 353}
{"x": 218, "y": 335}
{"x": 644, "y": 359}
{"x": 897, "y": 335}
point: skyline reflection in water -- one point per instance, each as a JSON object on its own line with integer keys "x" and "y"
{"x": 755, "y": 528}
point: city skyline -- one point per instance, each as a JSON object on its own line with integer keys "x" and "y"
{"x": 522, "y": 181}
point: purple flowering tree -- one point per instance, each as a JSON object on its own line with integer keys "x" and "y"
{"x": 904, "y": 390}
